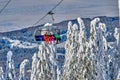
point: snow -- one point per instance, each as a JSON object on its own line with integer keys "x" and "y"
{"x": 1, "y": 74}
{"x": 48, "y": 24}
{"x": 9, "y": 55}
{"x": 20, "y": 44}
{"x": 89, "y": 57}
{"x": 23, "y": 69}
{"x": 61, "y": 45}
{"x": 117, "y": 35}
{"x": 118, "y": 77}
{"x": 85, "y": 59}
{"x": 10, "y": 69}
{"x": 34, "y": 67}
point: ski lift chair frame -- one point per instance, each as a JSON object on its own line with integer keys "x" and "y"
{"x": 40, "y": 37}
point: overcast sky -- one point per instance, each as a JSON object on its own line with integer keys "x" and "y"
{"x": 23, "y": 13}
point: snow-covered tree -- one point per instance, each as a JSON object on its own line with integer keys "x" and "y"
{"x": 59, "y": 75}
{"x": 79, "y": 64}
{"x": 93, "y": 31}
{"x": 117, "y": 36}
{"x": 67, "y": 45}
{"x": 117, "y": 47}
{"x": 112, "y": 67}
{"x": 70, "y": 56}
{"x": 91, "y": 51}
{"x": 1, "y": 74}
{"x": 81, "y": 38}
{"x": 76, "y": 58}
{"x": 92, "y": 43}
{"x": 102, "y": 64}
{"x": 117, "y": 44}
{"x": 69, "y": 38}
{"x": 118, "y": 76}
{"x": 86, "y": 65}
{"x": 10, "y": 69}
{"x": 98, "y": 50}
{"x": 46, "y": 64}
{"x": 52, "y": 58}
{"x": 102, "y": 56}
{"x": 114, "y": 59}
{"x": 34, "y": 67}
{"x": 23, "y": 69}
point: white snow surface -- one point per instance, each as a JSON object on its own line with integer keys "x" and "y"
{"x": 9, "y": 55}
{"x": 20, "y": 44}
{"x": 48, "y": 24}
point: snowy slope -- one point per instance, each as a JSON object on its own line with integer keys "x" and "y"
{"x": 20, "y": 44}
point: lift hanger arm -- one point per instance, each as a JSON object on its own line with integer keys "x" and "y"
{"x": 48, "y": 13}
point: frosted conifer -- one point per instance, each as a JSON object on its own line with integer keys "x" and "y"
{"x": 46, "y": 64}
{"x": 1, "y": 74}
{"x": 23, "y": 69}
{"x": 10, "y": 69}
{"x": 34, "y": 67}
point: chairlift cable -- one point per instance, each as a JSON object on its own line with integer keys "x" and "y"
{"x": 48, "y": 13}
{"x": 5, "y": 6}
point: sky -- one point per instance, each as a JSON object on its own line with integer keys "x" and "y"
{"x": 24, "y": 13}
